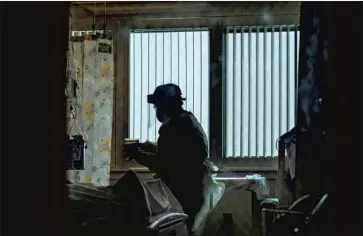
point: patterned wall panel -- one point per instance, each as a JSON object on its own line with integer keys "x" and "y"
{"x": 94, "y": 108}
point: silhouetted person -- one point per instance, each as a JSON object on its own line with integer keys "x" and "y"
{"x": 179, "y": 159}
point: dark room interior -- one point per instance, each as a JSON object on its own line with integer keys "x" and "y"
{"x": 274, "y": 87}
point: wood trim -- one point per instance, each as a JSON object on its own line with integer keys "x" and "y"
{"x": 246, "y": 164}
{"x": 126, "y": 80}
{"x": 146, "y": 174}
{"x": 122, "y": 96}
{"x": 280, "y": 182}
{"x": 170, "y": 20}
{"x": 119, "y": 93}
{"x": 224, "y": 165}
{"x": 86, "y": 24}
{"x": 113, "y": 142}
{"x": 215, "y": 104}
{"x": 78, "y": 11}
{"x": 181, "y": 8}
{"x": 143, "y": 7}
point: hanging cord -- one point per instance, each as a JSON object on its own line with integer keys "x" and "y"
{"x": 70, "y": 41}
{"x": 105, "y": 20}
{"x": 73, "y": 103}
{"x": 94, "y": 19}
{"x": 69, "y": 30}
{"x": 71, "y": 116}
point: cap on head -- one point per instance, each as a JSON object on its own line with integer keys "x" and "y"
{"x": 164, "y": 94}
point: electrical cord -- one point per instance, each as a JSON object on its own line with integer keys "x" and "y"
{"x": 94, "y": 19}
{"x": 72, "y": 112}
{"x": 72, "y": 78}
{"x": 75, "y": 121}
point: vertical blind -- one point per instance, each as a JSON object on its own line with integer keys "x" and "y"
{"x": 260, "y": 70}
{"x": 179, "y": 56}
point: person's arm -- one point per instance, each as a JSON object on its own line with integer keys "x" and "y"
{"x": 148, "y": 159}
{"x": 149, "y": 147}
{"x": 143, "y": 157}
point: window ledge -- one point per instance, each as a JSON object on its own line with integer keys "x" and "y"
{"x": 225, "y": 165}
{"x": 247, "y": 164}
{"x": 269, "y": 173}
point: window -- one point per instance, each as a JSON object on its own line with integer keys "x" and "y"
{"x": 179, "y": 56}
{"x": 259, "y": 81}
{"x": 259, "y": 90}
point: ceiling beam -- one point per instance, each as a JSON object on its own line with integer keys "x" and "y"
{"x": 130, "y": 8}
{"x": 79, "y": 12}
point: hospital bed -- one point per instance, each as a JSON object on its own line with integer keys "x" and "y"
{"x": 131, "y": 207}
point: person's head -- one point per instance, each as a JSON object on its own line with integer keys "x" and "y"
{"x": 167, "y": 100}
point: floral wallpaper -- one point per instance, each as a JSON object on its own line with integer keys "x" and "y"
{"x": 94, "y": 107}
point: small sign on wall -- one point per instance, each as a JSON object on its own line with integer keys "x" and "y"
{"x": 104, "y": 47}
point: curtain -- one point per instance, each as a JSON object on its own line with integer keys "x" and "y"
{"x": 93, "y": 107}
{"x": 329, "y": 72}
{"x": 329, "y": 115}
{"x": 313, "y": 63}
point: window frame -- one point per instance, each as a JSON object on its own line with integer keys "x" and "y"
{"x": 154, "y": 24}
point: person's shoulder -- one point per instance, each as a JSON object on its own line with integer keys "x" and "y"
{"x": 182, "y": 118}
{"x": 186, "y": 120}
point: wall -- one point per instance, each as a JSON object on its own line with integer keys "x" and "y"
{"x": 33, "y": 149}
{"x": 93, "y": 108}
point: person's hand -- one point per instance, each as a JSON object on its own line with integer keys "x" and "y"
{"x": 131, "y": 151}
{"x": 149, "y": 147}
